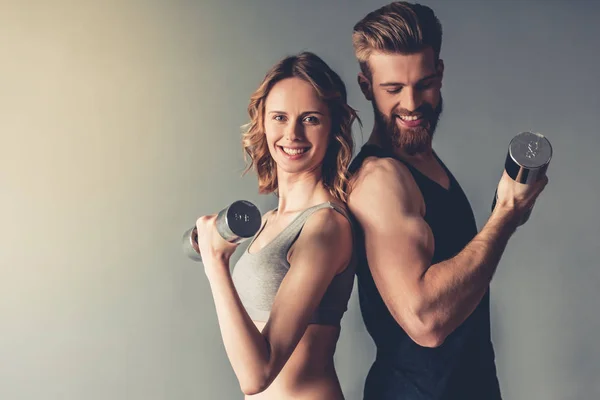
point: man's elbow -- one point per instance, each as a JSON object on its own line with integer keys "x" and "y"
{"x": 425, "y": 330}
{"x": 430, "y": 338}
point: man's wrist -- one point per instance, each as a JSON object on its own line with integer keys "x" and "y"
{"x": 504, "y": 218}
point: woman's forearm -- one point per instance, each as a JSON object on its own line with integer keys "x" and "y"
{"x": 247, "y": 349}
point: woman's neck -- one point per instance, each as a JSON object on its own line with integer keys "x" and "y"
{"x": 297, "y": 192}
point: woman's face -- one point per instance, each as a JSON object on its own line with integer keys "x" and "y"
{"x": 297, "y": 126}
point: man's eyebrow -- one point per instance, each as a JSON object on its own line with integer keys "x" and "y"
{"x": 386, "y": 84}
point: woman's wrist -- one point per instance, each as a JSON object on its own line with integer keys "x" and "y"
{"x": 216, "y": 266}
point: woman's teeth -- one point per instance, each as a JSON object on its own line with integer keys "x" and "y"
{"x": 293, "y": 152}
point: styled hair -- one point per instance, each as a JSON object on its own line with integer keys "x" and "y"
{"x": 331, "y": 89}
{"x": 398, "y": 27}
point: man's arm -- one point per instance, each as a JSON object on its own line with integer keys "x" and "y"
{"x": 428, "y": 301}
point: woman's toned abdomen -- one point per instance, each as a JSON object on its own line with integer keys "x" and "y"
{"x": 309, "y": 373}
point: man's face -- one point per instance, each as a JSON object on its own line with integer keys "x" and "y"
{"x": 405, "y": 91}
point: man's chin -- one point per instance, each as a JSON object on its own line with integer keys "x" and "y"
{"x": 414, "y": 141}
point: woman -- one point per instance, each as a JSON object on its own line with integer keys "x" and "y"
{"x": 280, "y": 311}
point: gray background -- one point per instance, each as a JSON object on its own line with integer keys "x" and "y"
{"x": 120, "y": 125}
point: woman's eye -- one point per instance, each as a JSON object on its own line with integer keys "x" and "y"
{"x": 279, "y": 118}
{"x": 311, "y": 120}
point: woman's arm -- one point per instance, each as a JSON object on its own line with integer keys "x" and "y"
{"x": 321, "y": 251}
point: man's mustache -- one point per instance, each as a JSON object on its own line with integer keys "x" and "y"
{"x": 423, "y": 111}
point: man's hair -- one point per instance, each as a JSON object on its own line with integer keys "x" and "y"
{"x": 331, "y": 89}
{"x": 399, "y": 27}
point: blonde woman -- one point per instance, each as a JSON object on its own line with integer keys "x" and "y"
{"x": 279, "y": 311}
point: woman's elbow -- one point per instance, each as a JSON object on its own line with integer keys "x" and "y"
{"x": 255, "y": 384}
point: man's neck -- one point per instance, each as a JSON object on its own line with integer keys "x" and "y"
{"x": 425, "y": 162}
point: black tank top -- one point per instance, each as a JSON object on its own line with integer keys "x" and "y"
{"x": 463, "y": 367}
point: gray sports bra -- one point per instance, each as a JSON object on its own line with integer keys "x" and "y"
{"x": 257, "y": 276}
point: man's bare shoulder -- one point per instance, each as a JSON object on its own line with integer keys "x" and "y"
{"x": 383, "y": 176}
{"x": 381, "y": 166}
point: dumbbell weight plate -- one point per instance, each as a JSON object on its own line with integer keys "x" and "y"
{"x": 240, "y": 221}
{"x": 527, "y": 161}
{"x": 528, "y": 157}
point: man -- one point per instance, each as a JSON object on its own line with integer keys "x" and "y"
{"x": 425, "y": 270}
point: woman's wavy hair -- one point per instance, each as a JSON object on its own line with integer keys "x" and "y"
{"x": 331, "y": 89}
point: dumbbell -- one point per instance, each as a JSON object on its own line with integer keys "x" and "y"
{"x": 527, "y": 161}
{"x": 235, "y": 223}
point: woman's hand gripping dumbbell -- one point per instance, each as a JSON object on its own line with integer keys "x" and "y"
{"x": 234, "y": 224}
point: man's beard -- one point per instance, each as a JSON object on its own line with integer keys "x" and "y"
{"x": 410, "y": 140}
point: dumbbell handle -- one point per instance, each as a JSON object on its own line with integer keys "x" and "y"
{"x": 235, "y": 223}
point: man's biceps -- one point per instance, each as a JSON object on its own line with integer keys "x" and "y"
{"x": 383, "y": 227}
{"x": 397, "y": 248}
{"x": 377, "y": 217}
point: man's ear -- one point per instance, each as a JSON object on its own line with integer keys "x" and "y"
{"x": 365, "y": 86}
{"x": 440, "y": 70}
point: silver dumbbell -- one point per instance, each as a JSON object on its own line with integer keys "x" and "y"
{"x": 236, "y": 223}
{"x": 527, "y": 161}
